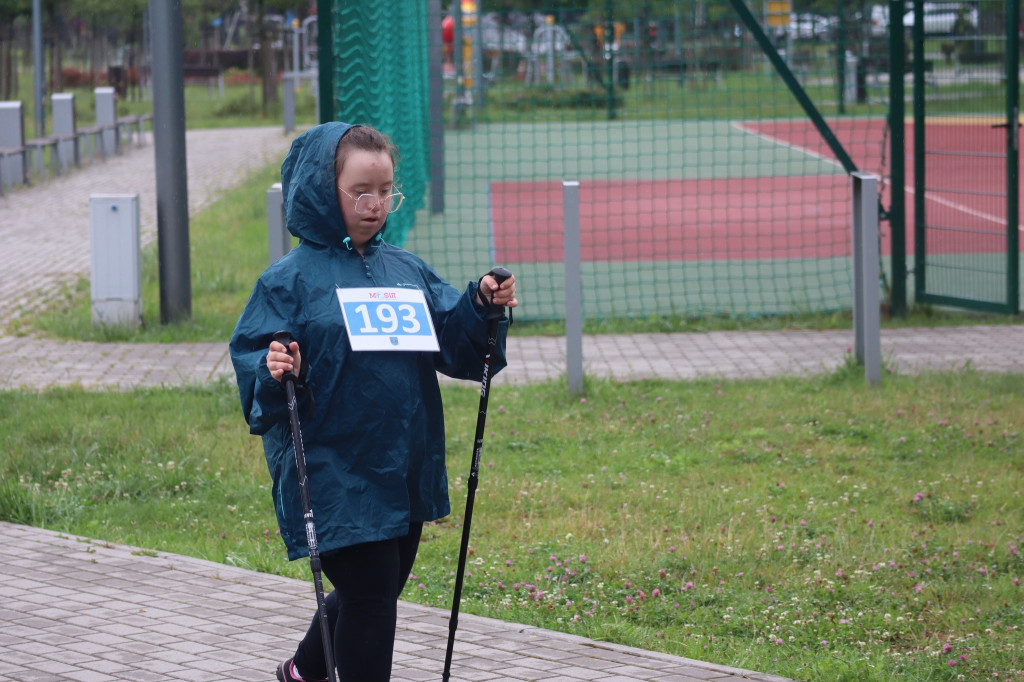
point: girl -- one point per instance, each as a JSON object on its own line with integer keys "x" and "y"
{"x": 373, "y": 425}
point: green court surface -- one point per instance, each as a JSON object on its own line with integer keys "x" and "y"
{"x": 677, "y": 217}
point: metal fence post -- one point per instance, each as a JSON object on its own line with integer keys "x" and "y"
{"x": 277, "y": 235}
{"x": 573, "y": 285}
{"x": 435, "y": 87}
{"x": 867, "y": 342}
{"x": 289, "y": 82}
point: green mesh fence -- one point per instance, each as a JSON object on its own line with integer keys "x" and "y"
{"x": 704, "y": 188}
{"x": 965, "y": 200}
{"x": 381, "y": 80}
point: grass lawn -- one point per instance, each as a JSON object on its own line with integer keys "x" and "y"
{"x": 812, "y": 528}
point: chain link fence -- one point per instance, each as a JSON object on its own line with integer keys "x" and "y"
{"x": 704, "y": 188}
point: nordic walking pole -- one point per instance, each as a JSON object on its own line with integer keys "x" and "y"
{"x": 493, "y": 317}
{"x": 285, "y": 338}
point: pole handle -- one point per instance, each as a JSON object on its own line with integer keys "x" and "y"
{"x": 500, "y": 274}
{"x": 284, "y": 338}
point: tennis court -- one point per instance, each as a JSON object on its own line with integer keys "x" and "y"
{"x": 733, "y": 217}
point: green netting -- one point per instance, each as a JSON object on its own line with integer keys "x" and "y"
{"x": 704, "y": 187}
{"x": 380, "y": 80}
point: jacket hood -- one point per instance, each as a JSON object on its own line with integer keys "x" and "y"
{"x": 308, "y": 186}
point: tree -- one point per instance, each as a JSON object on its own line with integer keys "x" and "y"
{"x": 10, "y": 11}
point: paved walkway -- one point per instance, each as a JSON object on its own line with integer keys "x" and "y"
{"x": 80, "y": 609}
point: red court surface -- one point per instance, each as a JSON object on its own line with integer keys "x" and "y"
{"x": 780, "y": 217}
{"x": 965, "y": 174}
{"x": 673, "y": 220}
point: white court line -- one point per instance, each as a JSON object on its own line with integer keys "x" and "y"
{"x": 774, "y": 140}
{"x": 928, "y": 196}
{"x": 960, "y": 207}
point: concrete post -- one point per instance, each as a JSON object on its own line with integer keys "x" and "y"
{"x": 116, "y": 259}
{"x": 573, "y": 285}
{"x": 289, "y": 82}
{"x": 277, "y": 232}
{"x": 106, "y": 114}
{"x": 12, "y": 136}
{"x": 64, "y": 126}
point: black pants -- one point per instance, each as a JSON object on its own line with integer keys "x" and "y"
{"x": 362, "y": 610}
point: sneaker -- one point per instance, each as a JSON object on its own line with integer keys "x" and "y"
{"x": 287, "y": 672}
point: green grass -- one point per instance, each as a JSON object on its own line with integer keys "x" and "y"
{"x": 234, "y": 226}
{"x": 812, "y": 528}
{"x": 239, "y": 107}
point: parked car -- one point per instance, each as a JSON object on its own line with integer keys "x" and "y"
{"x": 810, "y": 27}
{"x": 944, "y": 18}
{"x": 816, "y": 26}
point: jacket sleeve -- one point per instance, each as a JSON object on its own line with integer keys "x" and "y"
{"x": 262, "y": 396}
{"x": 462, "y": 333}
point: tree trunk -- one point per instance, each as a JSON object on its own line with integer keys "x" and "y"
{"x": 5, "y": 86}
{"x": 6, "y": 89}
{"x": 268, "y": 65}
{"x": 249, "y": 34}
{"x": 57, "y": 59}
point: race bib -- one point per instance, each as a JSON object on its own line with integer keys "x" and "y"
{"x": 387, "y": 319}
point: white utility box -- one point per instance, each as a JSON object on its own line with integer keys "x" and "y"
{"x": 116, "y": 259}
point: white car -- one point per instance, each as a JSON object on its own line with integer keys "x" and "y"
{"x": 940, "y": 18}
{"x": 813, "y": 26}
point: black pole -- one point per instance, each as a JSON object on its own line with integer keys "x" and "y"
{"x": 897, "y": 168}
{"x": 494, "y": 315}
{"x": 435, "y": 88}
{"x": 285, "y": 339}
{"x": 38, "y": 76}
{"x": 169, "y": 148}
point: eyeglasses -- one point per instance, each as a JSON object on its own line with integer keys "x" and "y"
{"x": 367, "y": 202}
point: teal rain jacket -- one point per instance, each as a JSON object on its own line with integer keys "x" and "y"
{"x": 372, "y": 421}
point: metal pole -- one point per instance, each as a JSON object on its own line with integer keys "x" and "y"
{"x": 289, "y": 84}
{"x": 457, "y": 56}
{"x": 573, "y": 285}
{"x": 897, "y": 203}
{"x": 920, "y": 172}
{"x": 609, "y": 55}
{"x": 435, "y": 87}
{"x": 478, "y": 58}
{"x": 37, "y": 67}
{"x": 169, "y": 149}
{"x": 866, "y": 316}
{"x": 1013, "y": 159}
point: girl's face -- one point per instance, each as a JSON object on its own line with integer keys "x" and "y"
{"x": 364, "y": 172}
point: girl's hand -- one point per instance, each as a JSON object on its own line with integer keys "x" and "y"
{"x": 279, "y": 361}
{"x": 504, "y": 295}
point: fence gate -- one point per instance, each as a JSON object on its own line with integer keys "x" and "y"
{"x": 965, "y": 141}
